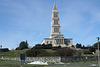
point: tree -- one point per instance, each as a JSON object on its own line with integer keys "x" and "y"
{"x": 43, "y": 46}
{"x": 78, "y": 45}
{"x": 22, "y": 45}
{"x": 59, "y": 46}
{"x": 38, "y": 45}
{"x": 83, "y": 47}
{"x": 96, "y": 45}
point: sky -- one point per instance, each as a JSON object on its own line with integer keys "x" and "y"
{"x": 30, "y": 20}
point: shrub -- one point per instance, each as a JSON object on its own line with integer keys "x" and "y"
{"x": 4, "y": 50}
{"x": 96, "y": 45}
{"x": 44, "y": 53}
{"x": 87, "y": 51}
{"x": 43, "y": 46}
{"x": 32, "y": 52}
{"x": 78, "y": 53}
{"x": 92, "y": 49}
{"x": 19, "y": 48}
{"x": 37, "y": 47}
{"x": 37, "y": 53}
{"x": 56, "y": 48}
{"x": 63, "y": 52}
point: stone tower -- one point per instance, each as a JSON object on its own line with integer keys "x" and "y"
{"x": 56, "y": 38}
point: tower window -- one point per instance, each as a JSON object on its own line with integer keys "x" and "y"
{"x": 56, "y": 29}
{"x": 55, "y": 21}
{"x": 50, "y": 42}
{"x": 55, "y": 14}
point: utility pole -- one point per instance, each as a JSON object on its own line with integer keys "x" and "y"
{"x": 98, "y": 52}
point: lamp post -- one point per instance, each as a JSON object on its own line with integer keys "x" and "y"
{"x": 98, "y": 52}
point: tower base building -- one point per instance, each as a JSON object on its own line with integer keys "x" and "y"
{"x": 56, "y": 38}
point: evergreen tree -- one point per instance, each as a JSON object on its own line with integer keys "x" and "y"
{"x": 22, "y": 45}
{"x": 83, "y": 47}
{"x": 96, "y": 45}
{"x": 78, "y": 45}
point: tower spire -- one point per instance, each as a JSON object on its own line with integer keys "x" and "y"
{"x": 54, "y": 7}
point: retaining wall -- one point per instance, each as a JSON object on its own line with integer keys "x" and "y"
{"x": 43, "y": 59}
{"x": 58, "y": 59}
{"x": 79, "y": 59}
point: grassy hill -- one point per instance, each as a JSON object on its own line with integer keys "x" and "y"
{"x": 16, "y": 53}
{"x": 12, "y": 53}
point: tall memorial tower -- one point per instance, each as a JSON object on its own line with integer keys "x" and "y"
{"x": 56, "y": 38}
{"x": 55, "y": 25}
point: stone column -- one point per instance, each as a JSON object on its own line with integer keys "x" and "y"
{"x": 63, "y": 41}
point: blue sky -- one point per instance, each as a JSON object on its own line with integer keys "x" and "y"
{"x": 30, "y": 20}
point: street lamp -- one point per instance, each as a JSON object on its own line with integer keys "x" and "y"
{"x": 98, "y": 51}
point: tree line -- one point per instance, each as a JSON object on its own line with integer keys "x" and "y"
{"x": 42, "y": 50}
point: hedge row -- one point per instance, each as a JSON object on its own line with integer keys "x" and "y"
{"x": 4, "y": 50}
